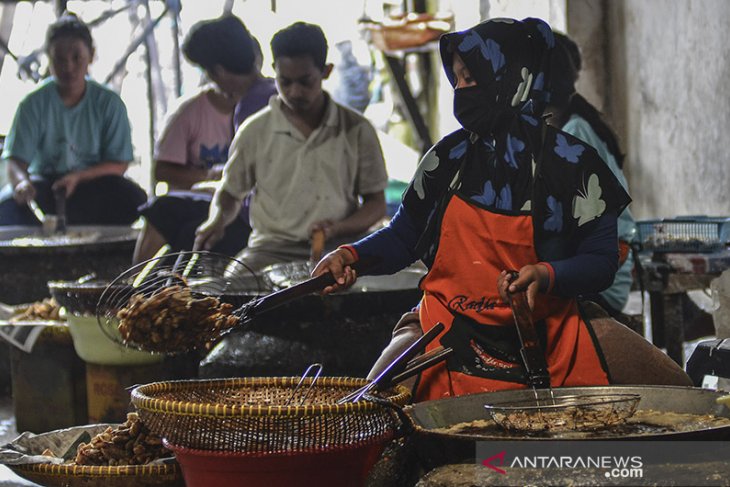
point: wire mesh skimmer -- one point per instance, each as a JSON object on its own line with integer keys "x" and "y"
{"x": 185, "y": 300}
{"x": 562, "y": 413}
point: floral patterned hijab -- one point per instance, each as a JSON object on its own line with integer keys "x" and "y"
{"x": 513, "y": 163}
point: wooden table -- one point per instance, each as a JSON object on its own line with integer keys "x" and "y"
{"x": 669, "y": 276}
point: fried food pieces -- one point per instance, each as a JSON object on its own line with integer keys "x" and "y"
{"x": 45, "y": 310}
{"x": 173, "y": 320}
{"x": 130, "y": 443}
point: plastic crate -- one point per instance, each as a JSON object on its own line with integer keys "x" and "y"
{"x": 684, "y": 234}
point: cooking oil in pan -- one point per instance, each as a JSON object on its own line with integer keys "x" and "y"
{"x": 646, "y": 422}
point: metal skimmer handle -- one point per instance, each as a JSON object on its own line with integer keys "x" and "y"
{"x": 533, "y": 357}
{"x": 249, "y": 311}
{"x": 60, "y": 195}
{"x": 397, "y": 366}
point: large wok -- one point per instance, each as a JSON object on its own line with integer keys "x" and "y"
{"x": 344, "y": 331}
{"x": 438, "y": 447}
{"x": 29, "y": 259}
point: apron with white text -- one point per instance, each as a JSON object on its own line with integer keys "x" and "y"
{"x": 460, "y": 291}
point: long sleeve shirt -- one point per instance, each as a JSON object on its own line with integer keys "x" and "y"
{"x": 591, "y": 269}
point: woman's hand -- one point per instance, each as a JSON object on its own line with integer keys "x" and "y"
{"x": 328, "y": 227}
{"x": 338, "y": 263}
{"x": 215, "y": 173}
{"x": 209, "y": 233}
{"x": 209, "y": 187}
{"x": 531, "y": 278}
{"x": 68, "y": 183}
{"x": 23, "y": 192}
{"x": 223, "y": 210}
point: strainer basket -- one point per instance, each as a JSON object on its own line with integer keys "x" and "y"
{"x": 249, "y": 415}
{"x": 583, "y": 412}
{"x": 166, "y": 286}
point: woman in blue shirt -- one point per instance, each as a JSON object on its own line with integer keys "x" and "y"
{"x": 70, "y": 136}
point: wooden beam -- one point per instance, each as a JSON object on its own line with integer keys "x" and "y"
{"x": 6, "y": 28}
{"x": 61, "y": 7}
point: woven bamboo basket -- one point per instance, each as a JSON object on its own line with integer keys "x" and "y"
{"x": 267, "y": 415}
{"x": 49, "y": 475}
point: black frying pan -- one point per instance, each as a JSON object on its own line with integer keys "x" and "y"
{"x": 437, "y": 446}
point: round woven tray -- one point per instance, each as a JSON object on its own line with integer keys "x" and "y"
{"x": 166, "y": 475}
{"x": 263, "y": 416}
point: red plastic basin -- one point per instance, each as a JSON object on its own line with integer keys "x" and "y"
{"x": 345, "y": 467}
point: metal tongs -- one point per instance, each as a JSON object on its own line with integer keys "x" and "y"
{"x": 404, "y": 366}
{"x": 37, "y": 211}
{"x": 316, "y": 370}
{"x": 60, "y": 195}
{"x": 48, "y": 222}
{"x": 533, "y": 357}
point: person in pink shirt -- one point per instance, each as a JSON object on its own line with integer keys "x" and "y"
{"x": 193, "y": 147}
{"x": 195, "y": 140}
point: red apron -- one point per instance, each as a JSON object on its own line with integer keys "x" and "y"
{"x": 460, "y": 291}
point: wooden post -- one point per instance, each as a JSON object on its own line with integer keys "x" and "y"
{"x": 176, "y": 53}
{"x": 6, "y": 28}
{"x": 155, "y": 89}
{"x": 61, "y": 7}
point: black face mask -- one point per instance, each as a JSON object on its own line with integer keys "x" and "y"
{"x": 474, "y": 109}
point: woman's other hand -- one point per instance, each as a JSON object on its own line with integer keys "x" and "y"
{"x": 209, "y": 187}
{"x": 23, "y": 192}
{"x": 208, "y": 234}
{"x": 215, "y": 173}
{"x": 68, "y": 183}
{"x": 531, "y": 278}
{"x": 338, "y": 263}
{"x": 223, "y": 210}
{"x": 327, "y": 227}
{"x": 318, "y": 239}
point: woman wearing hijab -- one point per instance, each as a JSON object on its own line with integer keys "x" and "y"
{"x": 506, "y": 192}
{"x": 573, "y": 114}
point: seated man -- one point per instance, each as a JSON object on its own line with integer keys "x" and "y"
{"x": 194, "y": 143}
{"x": 314, "y": 164}
{"x": 70, "y": 138}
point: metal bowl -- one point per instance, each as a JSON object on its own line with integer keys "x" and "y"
{"x": 79, "y": 298}
{"x": 345, "y": 331}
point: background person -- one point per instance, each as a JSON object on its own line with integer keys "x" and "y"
{"x": 313, "y": 164}
{"x": 70, "y": 135}
{"x": 573, "y": 114}
{"x": 194, "y": 144}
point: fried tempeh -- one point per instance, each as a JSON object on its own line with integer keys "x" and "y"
{"x": 173, "y": 319}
